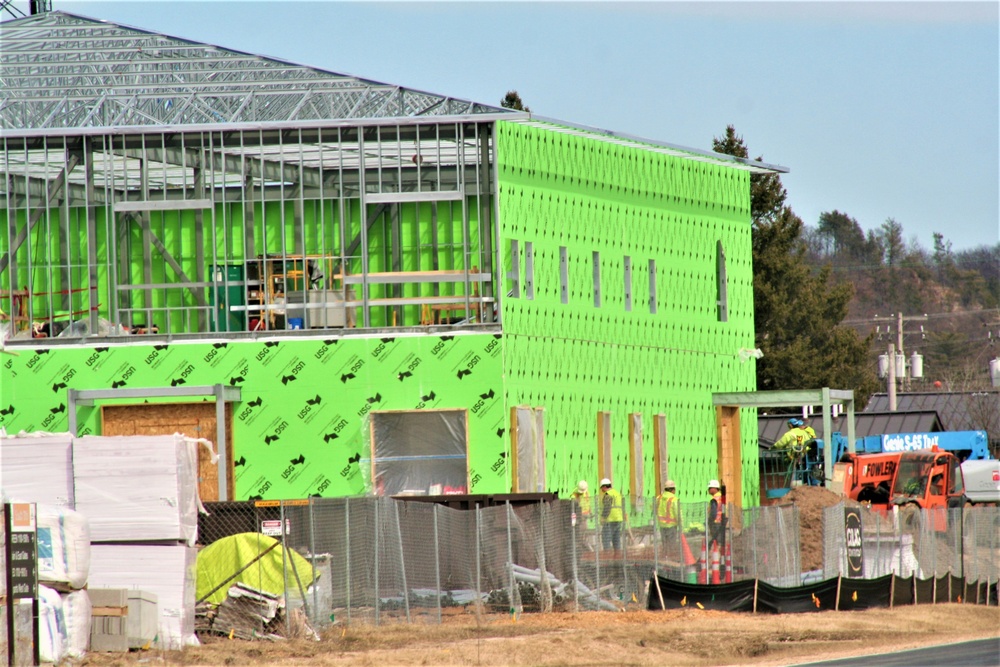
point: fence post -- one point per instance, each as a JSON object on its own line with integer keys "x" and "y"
{"x": 437, "y": 561}
{"x": 598, "y": 549}
{"x": 479, "y": 566}
{"x": 572, "y": 542}
{"x": 347, "y": 558}
{"x": 312, "y": 551}
{"x": 545, "y": 587}
{"x": 284, "y": 570}
{"x": 402, "y": 560}
{"x": 377, "y": 551}
{"x": 510, "y": 563}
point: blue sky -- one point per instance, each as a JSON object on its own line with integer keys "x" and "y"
{"x": 880, "y": 110}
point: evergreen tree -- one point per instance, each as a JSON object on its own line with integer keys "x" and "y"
{"x": 513, "y": 101}
{"x": 797, "y": 311}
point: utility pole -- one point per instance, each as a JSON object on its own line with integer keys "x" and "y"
{"x": 899, "y": 319}
{"x": 891, "y": 380}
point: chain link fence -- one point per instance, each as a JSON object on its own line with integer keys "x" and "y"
{"x": 911, "y": 542}
{"x": 380, "y": 560}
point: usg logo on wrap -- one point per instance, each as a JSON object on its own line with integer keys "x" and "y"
{"x": 854, "y": 541}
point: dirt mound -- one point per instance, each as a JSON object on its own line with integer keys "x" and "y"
{"x": 811, "y": 501}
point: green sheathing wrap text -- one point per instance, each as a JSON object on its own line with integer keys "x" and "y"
{"x": 588, "y": 195}
{"x": 301, "y": 428}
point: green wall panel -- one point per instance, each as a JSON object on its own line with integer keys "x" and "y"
{"x": 302, "y": 426}
{"x": 560, "y": 189}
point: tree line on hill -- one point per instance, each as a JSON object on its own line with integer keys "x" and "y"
{"x": 825, "y": 298}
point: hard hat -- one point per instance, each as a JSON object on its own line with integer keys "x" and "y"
{"x": 795, "y": 422}
{"x": 582, "y": 486}
{"x": 670, "y": 484}
{"x": 714, "y": 484}
{"x": 605, "y": 482}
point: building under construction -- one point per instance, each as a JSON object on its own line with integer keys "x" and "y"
{"x": 354, "y": 287}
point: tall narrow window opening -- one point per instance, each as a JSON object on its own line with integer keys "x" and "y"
{"x": 722, "y": 303}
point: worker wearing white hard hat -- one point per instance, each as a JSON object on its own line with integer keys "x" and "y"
{"x": 667, "y": 514}
{"x": 612, "y": 517}
{"x": 582, "y": 497}
{"x": 716, "y": 513}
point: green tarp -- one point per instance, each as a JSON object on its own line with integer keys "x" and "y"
{"x": 270, "y": 572}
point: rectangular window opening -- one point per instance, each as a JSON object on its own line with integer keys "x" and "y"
{"x": 652, "y": 286}
{"x": 563, "y": 274}
{"x": 597, "y": 279}
{"x": 420, "y": 452}
{"x": 527, "y": 449}
{"x": 722, "y": 304}
{"x": 529, "y": 270}
{"x": 628, "y": 283}
{"x": 513, "y": 276}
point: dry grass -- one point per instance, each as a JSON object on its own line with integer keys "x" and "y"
{"x": 685, "y": 638}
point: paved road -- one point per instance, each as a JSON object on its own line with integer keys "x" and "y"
{"x": 978, "y": 653}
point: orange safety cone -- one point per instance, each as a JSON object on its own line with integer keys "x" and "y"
{"x": 729, "y": 564}
{"x": 688, "y": 556}
{"x": 715, "y": 565}
{"x": 702, "y": 572}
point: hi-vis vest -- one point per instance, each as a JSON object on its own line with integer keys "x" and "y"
{"x": 720, "y": 509}
{"x": 666, "y": 510}
{"x": 584, "y": 500}
{"x": 615, "y": 515}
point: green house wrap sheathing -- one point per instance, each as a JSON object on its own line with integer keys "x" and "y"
{"x": 559, "y": 189}
{"x": 302, "y": 427}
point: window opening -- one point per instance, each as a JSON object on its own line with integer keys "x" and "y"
{"x": 652, "y": 286}
{"x": 597, "y": 279}
{"x": 563, "y": 274}
{"x": 722, "y": 304}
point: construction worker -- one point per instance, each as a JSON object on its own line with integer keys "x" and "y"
{"x": 716, "y": 513}
{"x": 585, "y": 523}
{"x": 794, "y": 439}
{"x": 810, "y": 431}
{"x": 612, "y": 516}
{"x": 582, "y": 497}
{"x": 667, "y": 515}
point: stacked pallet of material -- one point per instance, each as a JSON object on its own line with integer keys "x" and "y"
{"x": 167, "y": 571}
{"x": 37, "y": 468}
{"x": 141, "y": 495}
{"x": 138, "y": 488}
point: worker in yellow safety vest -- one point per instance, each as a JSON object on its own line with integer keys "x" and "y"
{"x": 793, "y": 442}
{"x": 582, "y": 497}
{"x": 612, "y": 516}
{"x": 716, "y": 514}
{"x": 667, "y": 515}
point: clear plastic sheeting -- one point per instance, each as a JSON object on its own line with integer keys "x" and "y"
{"x": 421, "y": 452}
{"x": 530, "y": 455}
{"x": 138, "y": 488}
{"x": 38, "y": 468}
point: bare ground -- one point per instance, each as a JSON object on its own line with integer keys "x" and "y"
{"x": 687, "y": 638}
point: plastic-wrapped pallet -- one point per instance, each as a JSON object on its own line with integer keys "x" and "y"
{"x": 51, "y": 626}
{"x": 168, "y": 571}
{"x": 138, "y": 488}
{"x": 63, "y": 546}
{"x": 37, "y": 468}
{"x": 76, "y": 617}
